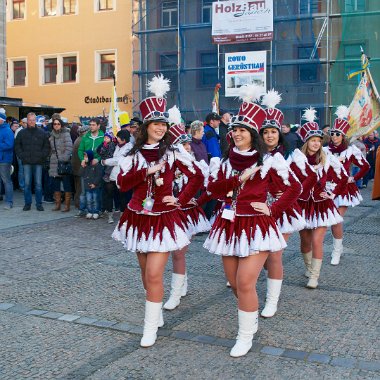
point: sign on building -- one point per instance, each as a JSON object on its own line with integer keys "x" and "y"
{"x": 244, "y": 68}
{"x": 242, "y": 21}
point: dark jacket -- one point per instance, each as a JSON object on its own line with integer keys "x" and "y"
{"x": 6, "y": 144}
{"x": 199, "y": 150}
{"x": 75, "y": 161}
{"x": 223, "y": 130}
{"x": 292, "y": 141}
{"x": 32, "y": 146}
{"x": 211, "y": 140}
{"x": 371, "y": 146}
{"x": 92, "y": 174}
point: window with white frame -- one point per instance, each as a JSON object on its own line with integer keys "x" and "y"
{"x": 206, "y": 11}
{"x": 105, "y": 65}
{"x": 60, "y": 68}
{"x": 50, "y": 8}
{"x": 18, "y": 9}
{"x": 69, "y": 7}
{"x": 169, "y": 14}
{"x": 17, "y": 72}
{"x": 105, "y": 5}
{"x": 58, "y": 7}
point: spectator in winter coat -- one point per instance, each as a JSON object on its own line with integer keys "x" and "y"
{"x": 16, "y": 128}
{"x": 106, "y": 150}
{"x": 33, "y": 148}
{"x": 211, "y": 137}
{"x": 223, "y": 130}
{"x": 197, "y": 146}
{"x": 61, "y": 149}
{"x": 6, "y": 158}
{"x": 92, "y": 173}
{"x": 371, "y": 143}
{"x": 91, "y": 140}
{"x": 292, "y": 140}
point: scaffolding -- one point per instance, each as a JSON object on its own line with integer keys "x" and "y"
{"x": 307, "y": 60}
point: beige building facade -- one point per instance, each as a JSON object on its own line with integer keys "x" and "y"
{"x": 64, "y": 53}
{"x": 3, "y": 72}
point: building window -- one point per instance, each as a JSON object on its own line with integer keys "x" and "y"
{"x": 105, "y": 5}
{"x": 206, "y": 11}
{"x": 19, "y": 73}
{"x": 18, "y": 9}
{"x": 69, "y": 69}
{"x": 107, "y": 66}
{"x": 50, "y": 8}
{"x": 209, "y": 75}
{"x": 309, "y": 6}
{"x": 308, "y": 72}
{"x": 169, "y": 67}
{"x": 69, "y": 7}
{"x": 50, "y": 70}
{"x": 354, "y": 5}
{"x": 169, "y": 14}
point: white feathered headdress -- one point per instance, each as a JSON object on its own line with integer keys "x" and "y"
{"x": 251, "y": 93}
{"x": 159, "y": 86}
{"x": 174, "y": 115}
{"x": 342, "y": 112}
{"x": 271, "y": 99}
{"x": 310, "y": 114}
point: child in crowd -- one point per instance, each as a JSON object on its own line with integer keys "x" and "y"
{"x": 106, "y": 150}
{"x": 92, "y": 177}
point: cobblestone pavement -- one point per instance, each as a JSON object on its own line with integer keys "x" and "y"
{"x": 72, "y": 305}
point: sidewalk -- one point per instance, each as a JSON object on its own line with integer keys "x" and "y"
{"x": 72, "y": 305}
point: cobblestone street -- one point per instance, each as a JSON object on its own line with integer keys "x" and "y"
{"x": 72, "y": 307}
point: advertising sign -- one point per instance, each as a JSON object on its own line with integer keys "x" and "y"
{"x": 242, "y": 21}
{"x": 244, "y": 68}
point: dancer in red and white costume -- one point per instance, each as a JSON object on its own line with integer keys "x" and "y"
{"x": 196, "y": 218}
{"x": 245, "y": 231}
{"x": 317, "y": 204}
{"x": 291, "y": 219}
{"x": 152, "y": 225}
{"x": 350, "y": 194}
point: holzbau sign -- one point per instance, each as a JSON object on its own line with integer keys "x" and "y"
{"x": 242, "y": 21}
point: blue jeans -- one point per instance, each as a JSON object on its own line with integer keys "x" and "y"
{"x": 93, "y": 200}
{"x": 33, "y": 171}
{"x": 5, "y": 176}
{"x": 20, "y": 176}
{"x": 354, "y": 170}
{"x": 82, "y": 196}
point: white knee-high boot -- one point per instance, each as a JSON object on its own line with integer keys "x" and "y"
{"x": 314, "y": 273}
{"x": 161, "y": 320}
{"x": 307, "y": 260}
{"x": 337, "y": 251}
{"x": 247, "y": 328}
{"x": 273, "y": 294}
{"x": 151, "y": 321}
{"x": 184, "y": 287}
{"x": 175, "y": 292}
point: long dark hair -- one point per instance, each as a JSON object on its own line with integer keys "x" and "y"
{"x": 281, "y": 141}
{"x": 257, "y": 144}
{"x": 142, "y": 137}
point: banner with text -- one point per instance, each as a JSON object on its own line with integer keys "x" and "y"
{"x": 244, "y": 68}
{"x": 242, "y": 21}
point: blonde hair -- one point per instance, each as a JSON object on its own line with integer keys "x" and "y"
{"x": 321, "y": 155}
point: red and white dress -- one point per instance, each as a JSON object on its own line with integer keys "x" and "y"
{"x": 350, "y": 194}
{"x": 291, "y": 219}
{"x": 148, "y": 224}
{"x": 250, "y": 231}
{"x": 196, "y": 217}
{"x": 319, "y": 211}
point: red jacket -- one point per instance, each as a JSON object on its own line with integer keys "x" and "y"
{"x": 133, "y": 175}
{"x": 274, "y": 170}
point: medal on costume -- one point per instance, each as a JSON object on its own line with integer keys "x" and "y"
{"x": 147, "y": 204}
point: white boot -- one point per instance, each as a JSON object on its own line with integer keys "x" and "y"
{"x": 273, "y": 293}
{"x": 151, "y": 320}
{"x": 175, "y": 292}
{"x": 247, "y": 327}
{"x": 307, "y": 260}
{"x": 314, "y": 273}
{"x": 337, "y": 251}
{"x": 161, "y": 320}
{"x": 184, "y": 287}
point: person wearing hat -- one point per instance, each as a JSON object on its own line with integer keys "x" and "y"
{"x": 79, "y": 196}
{"x": 350, "y": 195}
{"x": 153, "y": 225}
{"x": 245, "y": 232}
{"x": 33, "y": 148}
{"x": 291, "y": 219}
{"x": 6, "y": 158}
{"x": 211, "y": 137}
{"x": 196, "y": 218}
{"x": 317, "y": 203}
